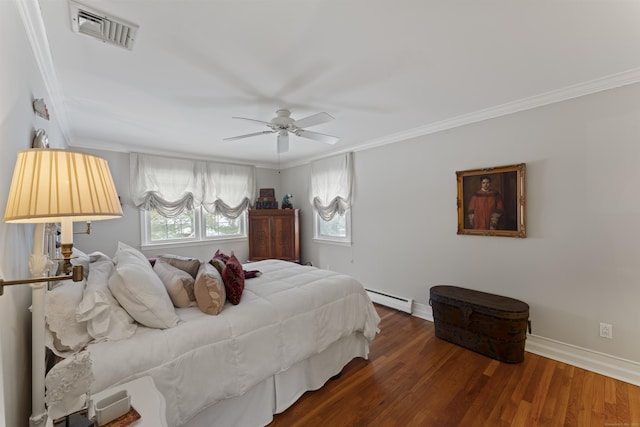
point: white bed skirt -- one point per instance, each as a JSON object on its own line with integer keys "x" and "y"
{"x": 275, "y": 394}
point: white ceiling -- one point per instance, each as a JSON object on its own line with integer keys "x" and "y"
{"x": 385, "y": 69}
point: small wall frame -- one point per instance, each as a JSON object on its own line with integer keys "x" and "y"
{"x": 491, "y": 201}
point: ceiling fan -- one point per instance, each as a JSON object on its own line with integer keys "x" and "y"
{"x": 283, "y": 125}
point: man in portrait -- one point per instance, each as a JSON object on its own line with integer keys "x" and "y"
{"x": 485, "y": 207}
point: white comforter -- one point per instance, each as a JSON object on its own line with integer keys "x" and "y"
{"x": 285, "y": 315}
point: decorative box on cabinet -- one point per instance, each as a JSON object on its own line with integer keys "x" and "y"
{"x": 274, "y": 234}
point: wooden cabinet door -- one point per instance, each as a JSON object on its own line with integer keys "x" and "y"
{"x": 259, "y": 237}
{"x": 283, "y": 237}
{"x": 274, "y": 234}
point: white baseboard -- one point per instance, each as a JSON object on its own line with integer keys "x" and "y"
{"x": 398, "y": 303}
{"x": 423, "y": 311}
{"x": 601, "y": 363}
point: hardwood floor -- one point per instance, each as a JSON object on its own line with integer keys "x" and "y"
{"x": 413, "y": 378}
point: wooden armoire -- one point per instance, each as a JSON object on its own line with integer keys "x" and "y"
{"x": 274, "y": 234}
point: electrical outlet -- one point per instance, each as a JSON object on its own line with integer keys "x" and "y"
{"x": 606, "y": 330}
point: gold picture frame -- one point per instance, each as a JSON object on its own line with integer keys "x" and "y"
{"x": 491, "y": 201}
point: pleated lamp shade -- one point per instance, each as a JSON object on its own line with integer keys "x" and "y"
{"x": 51, "y": 185}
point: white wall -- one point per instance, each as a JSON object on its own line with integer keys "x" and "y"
{"x": 20, "y": 83}
{"x": 579, "y": 264}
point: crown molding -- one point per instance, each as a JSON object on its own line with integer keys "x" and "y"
{"x": 570, "y": 92}
{"x": 567, "y": 93}
{"x": 36, "y": 33}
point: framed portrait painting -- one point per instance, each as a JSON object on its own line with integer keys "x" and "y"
{"x": 491, "y": 201}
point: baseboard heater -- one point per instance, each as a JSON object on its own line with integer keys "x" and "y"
{"x": 392, "y": 301}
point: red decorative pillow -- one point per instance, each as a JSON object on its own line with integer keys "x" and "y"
{"x": 220, "y": 255}
{"x": 233, "y": 278}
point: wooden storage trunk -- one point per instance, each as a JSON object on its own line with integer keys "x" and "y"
{"x": 489, "y": 324}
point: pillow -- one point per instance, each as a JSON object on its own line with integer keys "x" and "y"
{"x": 127, "y": 251}
{"x": 219, "y": 255}
{"x": 218, "y": 260}
{"x": 65, "y": 333}
{"x": 190, "y": 265}
{"x": 106, "y": 319}
{"x": 233, "y": 278}
{"x": 218, "y": 264}
{"x": 209, "y": 289}
{"x": 140, "y": 291}
{"x": 179, "y": 283}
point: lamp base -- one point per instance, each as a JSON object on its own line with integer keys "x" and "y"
{"x": 66, "y": 249}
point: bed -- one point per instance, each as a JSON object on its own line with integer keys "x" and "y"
{"x": 293, "y": 328}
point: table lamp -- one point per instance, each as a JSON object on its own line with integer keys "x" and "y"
{"x": 51, "y": 186}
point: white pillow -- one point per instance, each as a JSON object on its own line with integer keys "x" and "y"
{"x": 179, "y": 283}
{"x": 140, "y": 291}
{"x": 106, "y": 319}
{"x": 65, "y": 335}
{"x": 126, "y": 251}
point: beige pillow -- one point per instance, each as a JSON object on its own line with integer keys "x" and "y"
{"x": 190, "y": 265}
{"x": 218, "y": 264}
{"x": 209, "y": 289}
{"x": 179, "y": 283}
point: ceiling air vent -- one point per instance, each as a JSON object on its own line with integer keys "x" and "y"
{"x": 102, "y": 26}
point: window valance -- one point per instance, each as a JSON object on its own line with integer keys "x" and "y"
{"x": 172, "y": 186}
{"x": 331, "y": 185}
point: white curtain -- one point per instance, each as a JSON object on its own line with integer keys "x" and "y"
{"x": 172, "y": 186}
{"x": 331, "y": 185}
{"x": 229, "y": 189}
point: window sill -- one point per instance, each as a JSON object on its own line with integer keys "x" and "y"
{"x": 332, "y": 242}
{"x": 168, "y": 245}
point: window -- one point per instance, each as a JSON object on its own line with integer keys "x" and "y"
{"x": 175, "y": 196}
{"x": 189, "y": 226}
{"x": 164, "y": 229}
{"x": 338, "y": 229}
{"x": 219, "y": 226}
{"x": 330, "y": 195}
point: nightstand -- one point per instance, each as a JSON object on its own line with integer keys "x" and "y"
{"x": 145, "y": 397}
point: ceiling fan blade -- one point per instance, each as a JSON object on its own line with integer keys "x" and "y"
{"x": 256, "y": 121}
{"x": 327, "y": 139}
{"x": 314, "y": 119}
{"x": 248, "y": 135}
{"x": 283, "y": 141}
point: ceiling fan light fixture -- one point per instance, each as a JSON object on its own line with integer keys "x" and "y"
{"x": 284, "y": 124}
{"x": 283, "y": 141}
